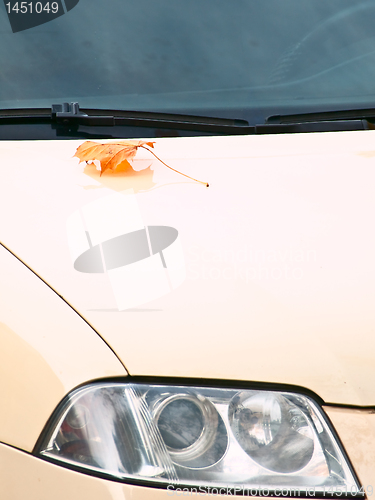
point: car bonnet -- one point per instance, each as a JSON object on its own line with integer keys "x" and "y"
{"x": 266, "y": 275}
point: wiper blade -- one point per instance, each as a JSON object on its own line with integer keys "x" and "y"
{"x": 67, "y": 120}
{"x": 70, "y": 116}
{"x": 367, "y": 114}
{"x": 319, "y": 126}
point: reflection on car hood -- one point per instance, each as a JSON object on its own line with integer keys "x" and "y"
{"x": 267, "y": 275}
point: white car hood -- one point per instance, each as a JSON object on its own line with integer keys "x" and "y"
{"x": 278, "y": 254}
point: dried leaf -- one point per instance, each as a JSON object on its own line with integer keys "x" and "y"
{"x": 113, "y": 154}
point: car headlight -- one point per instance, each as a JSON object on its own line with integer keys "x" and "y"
{"x": 199, "y": 436}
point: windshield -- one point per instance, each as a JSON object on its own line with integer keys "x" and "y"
{"x": 227, "y": 58}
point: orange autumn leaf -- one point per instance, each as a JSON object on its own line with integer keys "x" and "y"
{"x": 113, "y": 154}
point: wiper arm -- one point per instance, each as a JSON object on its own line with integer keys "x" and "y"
{"x": 70, "y": 116}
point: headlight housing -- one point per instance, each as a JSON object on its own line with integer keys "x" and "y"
{"x": 200, "y": 436}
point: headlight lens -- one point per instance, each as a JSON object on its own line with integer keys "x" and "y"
{"x": 199, "y": 437}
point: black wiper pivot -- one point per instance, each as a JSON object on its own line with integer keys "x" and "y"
{"x": 68, "y": 114}
{"x": 66, "y": 111}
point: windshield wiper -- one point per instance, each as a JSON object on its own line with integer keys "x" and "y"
{"x": 345, "y": 114}
{"x": 66, "y": 118}
{"x": 352, "y": 119}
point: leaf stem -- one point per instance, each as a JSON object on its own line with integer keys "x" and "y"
{"x": 174, "y": 170}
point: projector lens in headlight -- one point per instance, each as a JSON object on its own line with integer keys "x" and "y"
{"x": 181, "y": 423}
{"x": 192, "y": 436}
{"x": 272, "y": 430}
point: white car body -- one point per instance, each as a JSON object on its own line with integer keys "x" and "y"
{"x": 279, "y": 287}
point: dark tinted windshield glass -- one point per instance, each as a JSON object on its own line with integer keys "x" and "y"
{"x": 233, "y": 58}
